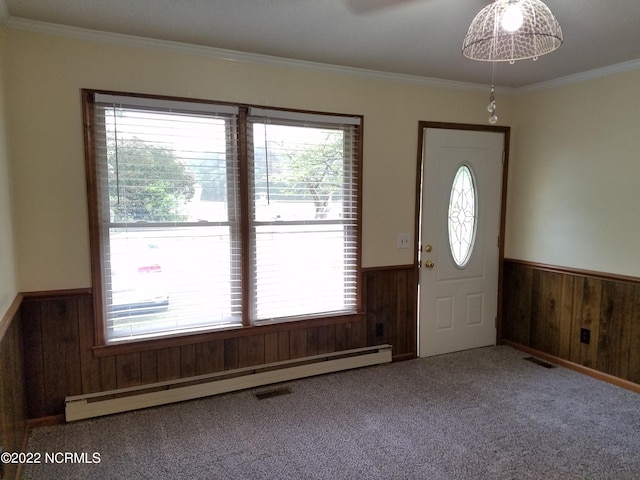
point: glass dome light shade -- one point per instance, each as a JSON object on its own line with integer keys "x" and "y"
{"x": 488, "y": 40}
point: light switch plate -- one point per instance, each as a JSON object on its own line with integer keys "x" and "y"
{"x": 403, "y": 240}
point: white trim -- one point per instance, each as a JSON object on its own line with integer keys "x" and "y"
{"x": 581, "y": 77}
{"x": 237, "y": 56}
{"x": 92, "y": 405}
{"x": 230, "y": 55}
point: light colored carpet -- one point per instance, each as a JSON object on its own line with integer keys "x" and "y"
{"x": 479, "y": 414}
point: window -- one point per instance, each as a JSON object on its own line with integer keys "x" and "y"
{"x": 208, "y": 216}
{"x": 462, "y": 216}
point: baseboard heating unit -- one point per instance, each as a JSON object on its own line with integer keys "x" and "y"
{"x": 125, "y": 399}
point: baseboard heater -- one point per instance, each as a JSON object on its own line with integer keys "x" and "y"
{"x": 125, "y": 399}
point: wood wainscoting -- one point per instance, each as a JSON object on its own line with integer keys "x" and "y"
{"x": 391, "y": 303}
{"x": 13, "y": 402}
{"x": 61, "y": 361}
{"x": 548, "y": 308}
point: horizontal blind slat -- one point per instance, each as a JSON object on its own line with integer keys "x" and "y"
{"x": 162, "y": 276}
{"x": 164, "y": 104}
{"x": 273, "y": 114}
{"x": 168, "y": 172}
{"x": 304, "y": 223}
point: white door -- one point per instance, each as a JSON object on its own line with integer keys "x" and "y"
{"x": 459, "y": 238}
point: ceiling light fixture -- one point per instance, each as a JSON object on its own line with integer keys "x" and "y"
{"x": 510, "y": 30}
{"x": 512, "y": 18}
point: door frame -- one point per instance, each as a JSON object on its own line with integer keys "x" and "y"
{"x": 422, "y": 126}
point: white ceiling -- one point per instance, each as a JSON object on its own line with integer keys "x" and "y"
{"x": 411, "y": 37}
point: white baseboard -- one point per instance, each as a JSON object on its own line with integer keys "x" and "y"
{"x": 116, "y": 401}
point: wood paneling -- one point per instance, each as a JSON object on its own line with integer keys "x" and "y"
{"x": 33, "y": 362}
{"x": 516, "y": 308}
{"x": 390, "y": 298}
{"x": 168, "y": 363}
{"x": 545, "y": 308}
{"x": 231, "y": 354}
{"x": 13, "y": 403}
{"x": 60, "y": 346}
{"x": 634, "y": 342}
{"x": 566, "y": 332}
{"x": 614, "y": 339}
{"x": 108, "y": 378}
{"x": 327, "y": 339}
{"x": 251, "y": 351}
{"x": 149, "y": 367}
{"x": 90, "y": 367}
{"x": 128, "y": 371}
{"x": 60, "y": 358}
{"x": 297, "y": 344}
{"x": 209, "y": 357}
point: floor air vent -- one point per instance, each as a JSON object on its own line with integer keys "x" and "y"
{"x": 542, "y": 363}
{"x": 273, "y": 393}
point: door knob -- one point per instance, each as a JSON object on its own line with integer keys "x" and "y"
{"x": 429, "y": 264}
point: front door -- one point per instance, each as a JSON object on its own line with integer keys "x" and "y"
{"x": 461, "y": 198}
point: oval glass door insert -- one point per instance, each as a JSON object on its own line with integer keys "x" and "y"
{"x": 462, "y": 216}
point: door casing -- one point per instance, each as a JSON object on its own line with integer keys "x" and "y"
{"x": 422, "y": 126}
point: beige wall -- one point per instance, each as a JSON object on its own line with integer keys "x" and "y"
{"x": 574, "y": 164}
{"x": 46, "y": 73}
{"x": 574, "y": 189}
{"x": 8, "y": 286}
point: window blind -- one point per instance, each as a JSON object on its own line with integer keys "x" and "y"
{"x": 207, "y": 216}
{"x": 304, "y": 220}
{"x": 168, "y": 205}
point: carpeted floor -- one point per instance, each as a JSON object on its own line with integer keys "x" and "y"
{"x": 479, "y": 414}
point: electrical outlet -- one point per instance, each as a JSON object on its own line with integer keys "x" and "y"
{"x": 379, "y": 329}
{"x": 585, "y": 335}
{"x": 403, "y": 240}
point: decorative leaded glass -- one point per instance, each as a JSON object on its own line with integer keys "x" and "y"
{"x": 462, "y": 216}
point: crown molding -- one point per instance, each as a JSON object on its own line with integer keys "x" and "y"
{"x": 267, "y": 60}
{"x": 231, "y": 55}
{"x": 629, "y": 66}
